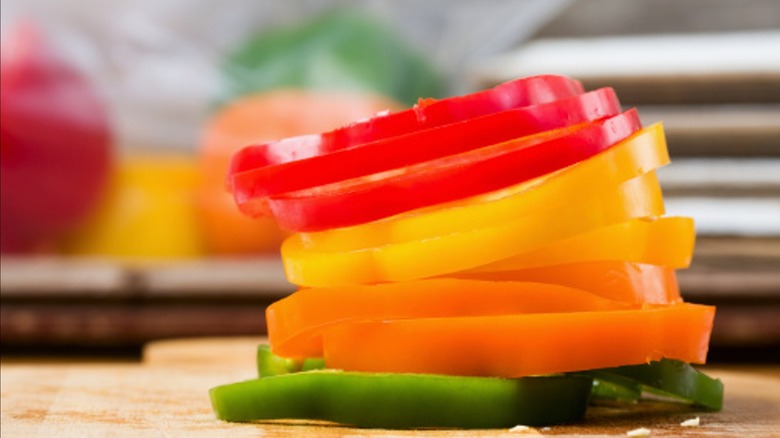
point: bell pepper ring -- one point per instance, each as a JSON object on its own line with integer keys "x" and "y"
{"x": 665, "y": 241}
{"x": 428, "y": 113}
{"x": 627, "y": 282}
{"x": 458, "y": 176}
{"x": 641, "y": 153}
{"x": 405, "y": 401}
{"x": 441, "y": 255}
{"x": 521, "y": 345}
{"x": 295, "y": 323}
{"x": 252, "y": 187}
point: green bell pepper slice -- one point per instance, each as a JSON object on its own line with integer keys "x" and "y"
{"x": 403, "y": 401}
{"x": 623, "y": 390}
{"x": 668, "y": 378}
{"x": 269, "y": 364}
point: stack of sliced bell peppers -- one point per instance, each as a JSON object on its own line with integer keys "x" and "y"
{"x": 486, "y": 260}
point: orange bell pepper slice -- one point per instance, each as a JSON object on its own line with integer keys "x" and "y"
{"x": 409, "y": 260}
{"x": 615, "y": 280}
{"x": 666, "y": 241}
{"x": 296, "y": 322}
{"x": 522, "y": 345}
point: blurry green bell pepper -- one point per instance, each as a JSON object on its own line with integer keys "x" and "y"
{"x": 340, "y": 50}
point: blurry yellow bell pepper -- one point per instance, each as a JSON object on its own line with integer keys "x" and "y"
{"x": 148, "y": 212}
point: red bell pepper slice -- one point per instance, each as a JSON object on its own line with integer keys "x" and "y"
{"x": 252, "y": 187}
{"x": 426, "y": 114}
{"x": 382, "y": 195}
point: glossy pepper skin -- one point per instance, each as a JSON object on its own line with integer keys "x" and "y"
{"x": 251, "y": 188}
{"x": 405, "y": 401}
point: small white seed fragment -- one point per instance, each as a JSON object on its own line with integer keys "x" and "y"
{"x": 693, "y": 422}
{"x": 642, "y": 431}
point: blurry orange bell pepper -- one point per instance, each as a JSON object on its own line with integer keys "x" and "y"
{"x": 521, "y": 345}
{"x": 256, "y": 118}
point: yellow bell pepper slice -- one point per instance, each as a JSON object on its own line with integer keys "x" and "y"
{"x": 454, "y": 252}
{"x": 666, "y": 241}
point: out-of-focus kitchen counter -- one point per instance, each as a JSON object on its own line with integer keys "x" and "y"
{"x": 53, "y": 302}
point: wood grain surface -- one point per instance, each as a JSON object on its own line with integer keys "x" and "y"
{"x": 166, "y": 395}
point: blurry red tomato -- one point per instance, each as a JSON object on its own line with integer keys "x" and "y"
{"x": 54, "y": 144}
{"x": 254, "y": 119}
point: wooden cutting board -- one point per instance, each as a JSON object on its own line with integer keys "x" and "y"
{"x": 166, "y": 395}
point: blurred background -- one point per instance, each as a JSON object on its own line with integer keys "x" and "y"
{"x": 119, "y": 119}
